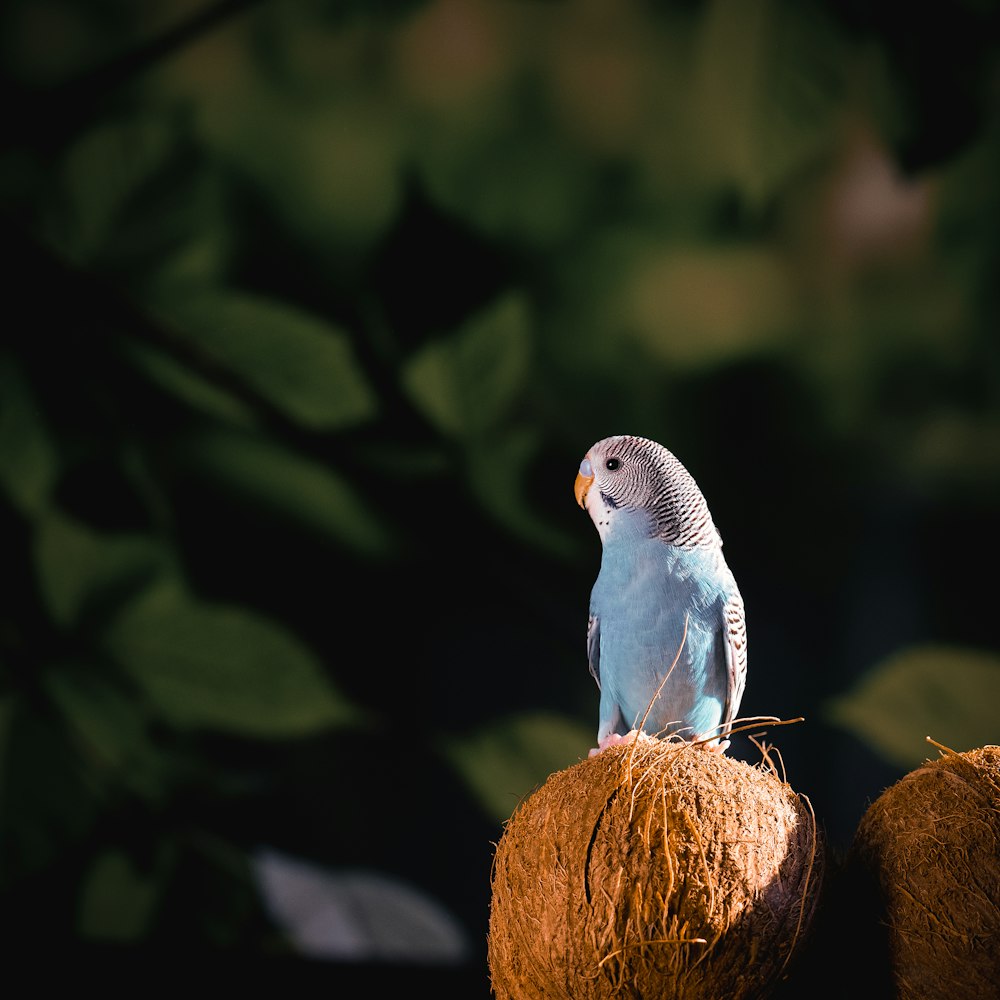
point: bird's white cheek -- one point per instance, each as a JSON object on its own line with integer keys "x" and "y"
{"x": 600, "y": 513}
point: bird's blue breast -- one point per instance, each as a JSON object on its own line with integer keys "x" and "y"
{"x": 655, "y": 602}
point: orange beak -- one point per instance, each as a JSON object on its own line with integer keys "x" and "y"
{"x": 580, "y": 488}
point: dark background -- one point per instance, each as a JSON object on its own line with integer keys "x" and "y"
{"x": 311, "y": 311}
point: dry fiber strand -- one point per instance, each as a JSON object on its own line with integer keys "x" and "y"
{"x": 932, "y": 844}
{"x": 654, "y": 869}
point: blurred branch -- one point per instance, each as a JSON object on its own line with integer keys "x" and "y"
{"x": 50, "y": 119}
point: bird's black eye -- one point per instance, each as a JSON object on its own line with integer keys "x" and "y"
{"x": 612, "y": 463}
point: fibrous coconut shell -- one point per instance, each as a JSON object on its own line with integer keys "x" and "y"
{"x": 654, "y": 869}
{"x": 931, "y": 843}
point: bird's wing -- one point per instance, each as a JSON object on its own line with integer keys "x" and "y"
{"x": 735, "y": 626}
{"x": 594, "y": 647}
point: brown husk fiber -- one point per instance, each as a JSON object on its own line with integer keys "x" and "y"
{"x": 656, "y": 869}
{"x": 932, "y": 843}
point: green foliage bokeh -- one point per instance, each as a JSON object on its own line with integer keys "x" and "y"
{"x": 312, "y": 310}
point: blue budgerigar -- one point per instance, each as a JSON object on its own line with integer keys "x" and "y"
{"x": 667, "y": 631}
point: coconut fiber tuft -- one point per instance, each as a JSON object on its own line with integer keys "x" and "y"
{"x": 654, "y": 869}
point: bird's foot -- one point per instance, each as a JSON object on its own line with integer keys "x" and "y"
{"x": 612, "y": 740}
{"x": 717, "y": 746}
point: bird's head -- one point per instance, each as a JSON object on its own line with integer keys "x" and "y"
{"x": 632, "y": 485}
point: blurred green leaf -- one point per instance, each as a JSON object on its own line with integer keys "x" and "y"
{"x": 330, "y": 168}
{"x": 638, "y": 306}
{"x": 503, "y": 762}
{"x": 304, "y": 491}
{"x": 696, "y": 306}
{"x": 109, "y": 729}
{"x": 466, "y": 382}
{"x": 224, "y": 667}
{"x": 135, "y": 196}
{"x": 523, "y": 185}
{"x": 116, "y": 901}
{"x": 49, "y": 801}
{"x": 499, "y": 470}
{"x": 29, "y": 463}
{"x": 80, "y": 569}
{"x": 947, "y": 693}
{"x": 189, "y": 387}
{"x": 301, "y": 364}
{"x": 99, "y": 176}
{"x": 768, "y": 93}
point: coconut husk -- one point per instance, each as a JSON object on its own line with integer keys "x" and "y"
{"x": 655, "y": 869}
{"x": 931, "y": 842}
